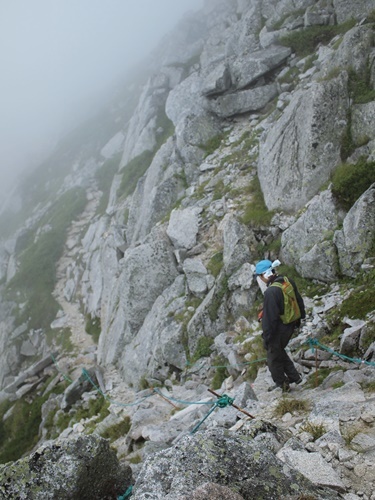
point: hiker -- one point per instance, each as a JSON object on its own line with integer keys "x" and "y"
{"x": 280, "y": 317}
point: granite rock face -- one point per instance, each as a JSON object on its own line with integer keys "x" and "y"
{"x": 84, "y": 467}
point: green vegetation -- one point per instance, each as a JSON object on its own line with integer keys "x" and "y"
{"x": 97, "y": 407}
{"x": 184, "y": 317}
{"x": 360, "y": 88}
{"x": 290, "y": 76}
{"x": 316, "y": 379}
{"x": 369, "y": 386}
{"x": 350, "y": 181}
{"x": 133, "y": 171}
{"x": 215, "y": 264}
{"x": 217, "y": 300}
{"x": 203, "y": 348}
{"x": 36, "y": 277}
{"x": 286, "y": 405}
{"x": 256, "y": 212}
{"x": 291, "y": 15}
{"x": 137, "y": 167}
{"x": 305, "y": 41}
{"x": 104, "y": 178}
{"x": 19, "y": 433}
{"x": 239, "y": 151}
{"x": 313, "y": 428}
{"x": 257, "y": 352}
{"x": 212, "y": 144}
{"x": 305, "y": 286}
{"x": 220, "y": 373}
{"x": 117, "y": 430}
{"x": 93, "y": 327}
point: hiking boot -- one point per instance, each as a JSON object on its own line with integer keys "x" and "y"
{"x": 285, "y": 387}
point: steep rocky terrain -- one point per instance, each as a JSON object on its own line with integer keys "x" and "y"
{"x": 127, "y": 275}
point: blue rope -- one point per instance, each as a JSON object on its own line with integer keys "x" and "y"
{"x": 111, "y": 400}
{"x": 315, "y": 343}
{"x": 222, "y": 402}
{"x": 58, "y": 369}
{"x": 183, "y": 402}
{"x": 127, "y": 494}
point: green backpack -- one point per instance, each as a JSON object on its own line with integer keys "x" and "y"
{"x": 291, "y": 307}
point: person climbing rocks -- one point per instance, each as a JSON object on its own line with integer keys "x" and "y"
{"x": 283, "y": 309}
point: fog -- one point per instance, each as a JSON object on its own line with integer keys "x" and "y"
{"x": 56, "y": 56}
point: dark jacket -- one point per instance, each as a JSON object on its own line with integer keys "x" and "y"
{"x": 273, "y": 308}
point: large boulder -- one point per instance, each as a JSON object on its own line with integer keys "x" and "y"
{"x": 237, "y": 462}
{"x": 145, "y": 271}
{"x": 353, "y": 51}
{"x": 243, "y": 101}
{"x": 155, "y": 194}
{"x": 300, "y": 151}
{"x": 346, "y": 9}
{"x": 307, "y": 244}
{"x": 81, "y": 468}
{"x": 247, "y": 69}
{"x": 158, "y": 347}
{"x": 356, "y": 238}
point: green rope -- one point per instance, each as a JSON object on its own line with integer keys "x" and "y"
{"x": 181, "y": 401}
{"x": 222, "y": 402}
{"x": 315, "y": 343}
{"x": 127, "y": 494}
{"x": 84, "y": 372}
{"x": 58, "y": 369}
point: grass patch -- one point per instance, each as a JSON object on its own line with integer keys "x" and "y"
{"x": 315, "y": 429}
{"x": 203, "y": 349}
{"x": 117, "y": 430}
{"x": 132, "y": 172}
{"x": 305, "y": 41}
{"x": 35, "y": 279}
{"x": 368, "y": 386}
{"x": 137, "y": 167}
{"x": 316, "y": 379}
{"x": 360, "y": 89}
{"x": 287, "y": 405}
{"x": 349, "y": 182}
{"x": 217, "y": 299}
{"x": 93, "y": 327}
{"x": 221, "y": 373}
{"x": 104, "y": 178}
{"x": 212, "y": 144}
{"x": 256, "y": 212}
{"x": 215, "y": 264}
{"x": 257, "y": 352}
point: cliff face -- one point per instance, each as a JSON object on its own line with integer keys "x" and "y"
{"x": 151, "y": 213}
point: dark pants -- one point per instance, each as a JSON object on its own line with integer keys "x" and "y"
{"x": 279, "y": 363}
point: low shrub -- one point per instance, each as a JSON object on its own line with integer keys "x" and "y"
{"x": 305, "y": 41}
{"x": 287, "y": 405}
{"x": 256, "y": 212}
{"x": 350, "y": 181}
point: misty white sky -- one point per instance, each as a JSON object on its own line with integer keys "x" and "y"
{"x": 57, "y": 55}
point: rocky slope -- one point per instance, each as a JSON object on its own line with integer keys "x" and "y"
{"x": 132, "y": 259}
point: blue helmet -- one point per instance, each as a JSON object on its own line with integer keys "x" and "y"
{"x": 263, "y": 266}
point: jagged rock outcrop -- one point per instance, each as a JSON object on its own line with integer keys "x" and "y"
{"x": 301, "y": 150}
{"x": 84, "y": 467}
{"x": 243, "y": 465}
{"x": 145, "y": 271}
{"x": 355, "y": 240}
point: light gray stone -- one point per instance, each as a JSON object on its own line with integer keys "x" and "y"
{"x": 356, "y": 237}
{"x": 183, "y": 227}
{"x": 312, "y": 466}
{"x": 243, "y": 101}
{"x": 302, "y": 148}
